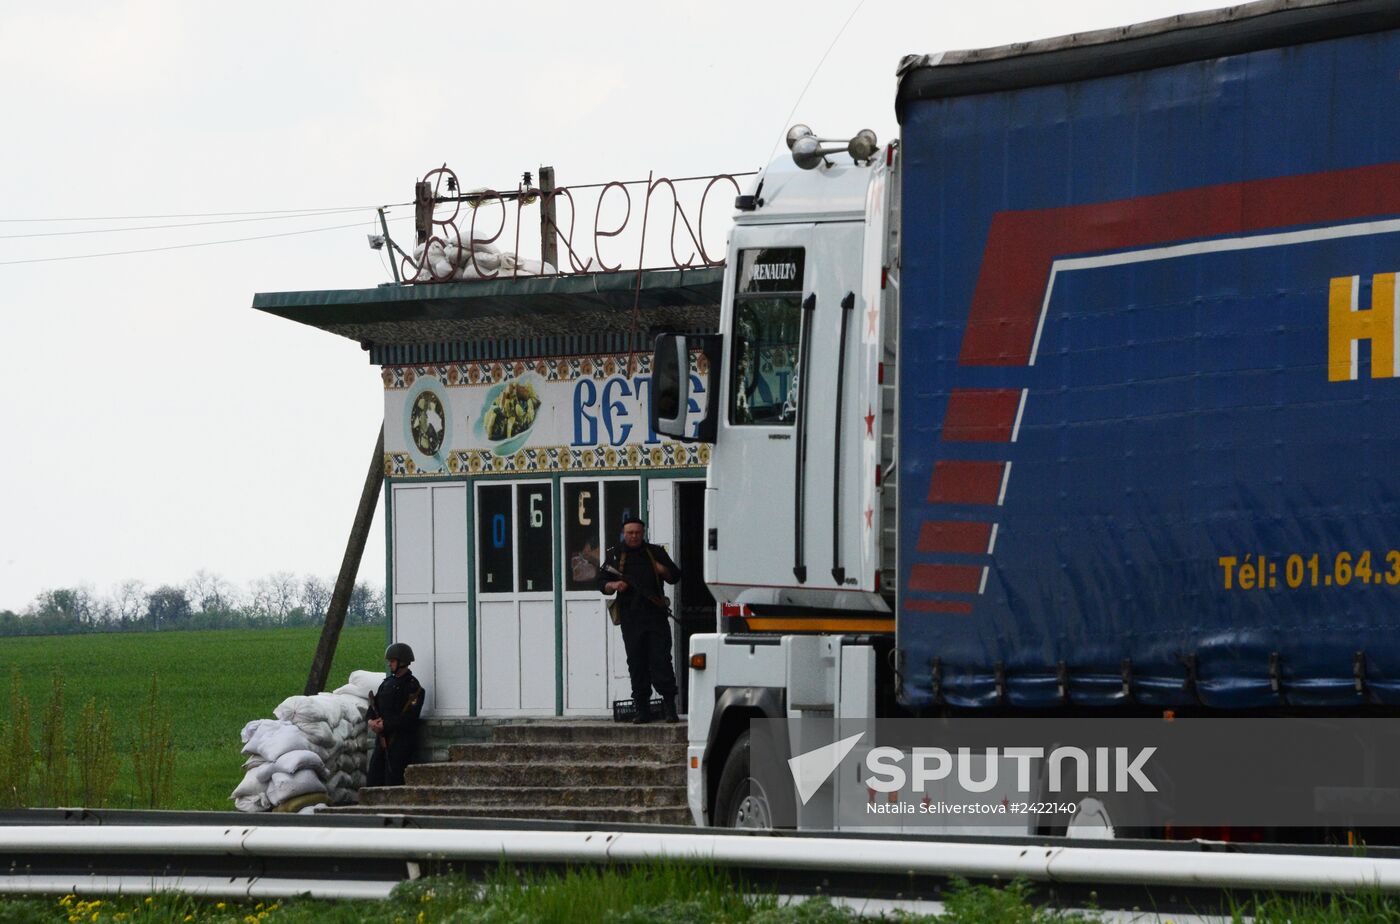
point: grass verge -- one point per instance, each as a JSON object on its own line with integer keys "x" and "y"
{"x": 638, "y": 895}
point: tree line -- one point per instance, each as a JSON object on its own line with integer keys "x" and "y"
{"x": 205, "y": 601}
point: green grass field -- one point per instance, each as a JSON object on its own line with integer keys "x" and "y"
{"x": 212, "y": 684}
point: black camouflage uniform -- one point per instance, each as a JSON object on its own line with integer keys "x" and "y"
{"x": 646, "y": 626}
{"x": 399, "y": 703}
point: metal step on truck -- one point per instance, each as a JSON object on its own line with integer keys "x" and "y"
{"x": 1080, "y": 399}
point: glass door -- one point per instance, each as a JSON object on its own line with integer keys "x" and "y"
{"x": 515, "y": 598}
{"x": 595, "y": 665}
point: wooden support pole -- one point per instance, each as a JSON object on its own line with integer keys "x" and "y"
{"x": 549, "y": 231}
{"x": 422, "y": 210}
{"x": 349, "y": 568}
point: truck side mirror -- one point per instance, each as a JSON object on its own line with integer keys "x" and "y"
{"x": 680, "y": 407}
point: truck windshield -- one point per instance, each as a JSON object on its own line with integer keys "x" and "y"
{"x": 767, "y": 333}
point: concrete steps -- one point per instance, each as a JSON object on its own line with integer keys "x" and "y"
{"x": 588, "y": 730}
{"x": 537, "y": 751}
{"x": 501, "y": 775}
{"x": 573, "y": 770}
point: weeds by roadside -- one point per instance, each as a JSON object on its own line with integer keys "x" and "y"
{"x": 211, "y": 683}
{"x": 44, "y": 775}
{"x": 95, "y": 755}
{"x": 52, "y": 786}
{"x": 652, "y": 894}
{"x": 17, "y": 756}
{"x": 153, "y": 752}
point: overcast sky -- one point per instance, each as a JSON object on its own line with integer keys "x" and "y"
{"x": 153, "y": 423}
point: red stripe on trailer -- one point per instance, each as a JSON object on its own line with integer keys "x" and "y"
{"x": 957, "y": 481}
{"x": 954, "y": 579}
{"x": 1022, "y": 246}
{"x": 981, "y": 415}
{"x": 957, "y": 536}
{"x": 937, "y": 606}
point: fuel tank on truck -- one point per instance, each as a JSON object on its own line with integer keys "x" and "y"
{"x": 1149, "y": 379}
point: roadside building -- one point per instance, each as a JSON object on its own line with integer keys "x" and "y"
{"x": 516, "y": 440}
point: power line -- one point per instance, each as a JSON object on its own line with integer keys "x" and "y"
{"x": 787, "y": 123}
{"x": 327, "y": 210}
{"x": 235, "y": 240}
{"x": 191, "y": 224}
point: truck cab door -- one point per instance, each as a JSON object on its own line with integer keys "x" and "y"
{"x": 775, "y": 499}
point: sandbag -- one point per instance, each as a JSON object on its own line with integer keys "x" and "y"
{"x": 285, "y": 786}
{"x": 292, "y": 761}
{"x": 274, "y": 744}
{"x": 302, "y": 802}
{"x": 254, "y": 781}
{"x": 254, "y": 732}
{"x": 318, "y": 716}
{"x": 434, "y": 259}
{"x": 527, "y": 267}
{"x": 367, "y": 682}
{"x": 338, "y": 708}
{"x": 254, "y": 803}
{"x": 458, "y": 258}
{"x": 356, "y": 706}
{"x": 486, "y": 263}
{"x": 254, "y": 727}
{"x": 300, "y": 709}
{"x": 319, "y": 734}
{"x": 459, "y": 254}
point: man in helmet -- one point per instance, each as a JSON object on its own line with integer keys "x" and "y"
{"x": 393, "y": 718}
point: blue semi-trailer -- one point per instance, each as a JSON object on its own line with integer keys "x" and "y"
{"x": 1082, "y": 396}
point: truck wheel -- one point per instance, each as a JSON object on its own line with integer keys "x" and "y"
{"x": 1100, "y": 818}
{"x": 1092, "y": 821}
{"x": 742, "y": 801}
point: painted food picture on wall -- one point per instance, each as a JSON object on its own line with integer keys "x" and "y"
{"x": 508, "y": 414}
{"x": 426, "y": 423}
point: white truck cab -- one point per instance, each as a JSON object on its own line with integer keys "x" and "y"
{"x": 799, "y": 487}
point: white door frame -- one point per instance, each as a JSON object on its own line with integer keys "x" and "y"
{"x": 530, "y": 668}
{"x": 432, "y": 616}
{"x": 671, "y": 541}
{"x": 585, "y": 610}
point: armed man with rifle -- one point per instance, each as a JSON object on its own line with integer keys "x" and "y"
{"x": 634, "y": 571}
{"x": 393, "y": 718}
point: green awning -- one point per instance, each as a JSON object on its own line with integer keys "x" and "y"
{"x": 508, "y": 309}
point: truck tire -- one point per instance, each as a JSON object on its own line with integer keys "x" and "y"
{"x": 1093, "y": 821}
{"x": 741, "y": 800}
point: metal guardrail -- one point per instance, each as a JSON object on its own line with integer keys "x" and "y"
{"x": 223, "y": 855}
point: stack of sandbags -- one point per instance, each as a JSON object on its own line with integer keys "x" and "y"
{"x": 336, "y": 722}
{"x": 314, "y": 752}
{"x": 457, "y": 258}
{"x": 285, "y": 771}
